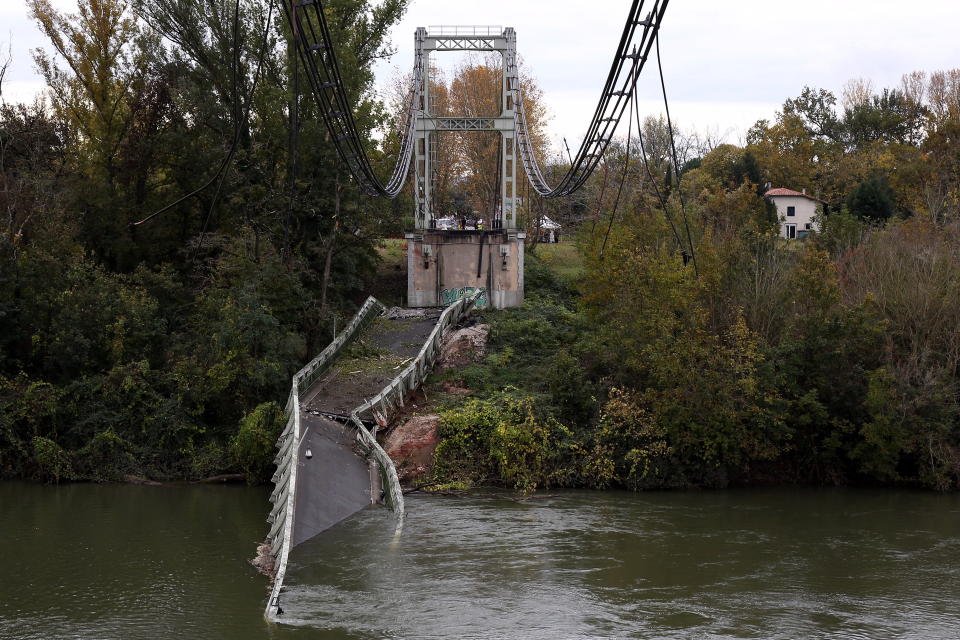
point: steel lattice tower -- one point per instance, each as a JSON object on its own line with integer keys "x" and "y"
{"x": 459, "y": 38}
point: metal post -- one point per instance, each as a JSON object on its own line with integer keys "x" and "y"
{"x": 422, "y": 148}
{"x": 509, "y": 167}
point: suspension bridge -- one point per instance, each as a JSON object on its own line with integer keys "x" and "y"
{"x": 329, "y": 464}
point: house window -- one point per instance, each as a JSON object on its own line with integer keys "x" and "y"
{"x": 791, "y": 231}
{"x": 791, "y": 211}
{"x": 808, "y": 226}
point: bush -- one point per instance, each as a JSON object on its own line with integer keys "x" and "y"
{"x": 504, "y": 442}
{"x": 253, "y": 446}
{"x": 573, "y": 394}
{"x": 872, "y": 199}
{"x": 53, "y": 463}
{"x": 107, "y": 457}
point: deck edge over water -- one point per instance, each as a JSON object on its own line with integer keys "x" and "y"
{"x": 389, "y": 401}
{"x": 283, "y": 497}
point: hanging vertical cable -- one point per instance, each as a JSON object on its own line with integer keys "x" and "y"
{"x": 676, "y": 161}
{"x": 653, "y": 182}
{"x": 610, "y": 109}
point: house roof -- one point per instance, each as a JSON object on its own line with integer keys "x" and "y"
{"x": 773, "y": 193}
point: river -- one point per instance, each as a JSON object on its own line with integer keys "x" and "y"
{"x": 128, "y": 562}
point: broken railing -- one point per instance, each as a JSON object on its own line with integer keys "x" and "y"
{"x": 380, "y": 408}
{"x": 391, "y": 399}
{"x": 285, "y": 478}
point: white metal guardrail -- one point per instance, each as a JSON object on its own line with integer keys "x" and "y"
{"x": 285, "y": 478}
{"x": 380, "y": 407}
{"x": 390, "y": 399}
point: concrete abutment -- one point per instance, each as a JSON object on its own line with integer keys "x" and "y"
{"x": 446, "y": 265}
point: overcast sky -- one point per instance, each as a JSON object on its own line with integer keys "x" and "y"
{"x": 727, "y": 64}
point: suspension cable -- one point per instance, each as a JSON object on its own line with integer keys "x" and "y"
{"x": 236, "y": 132}
{"x": 626, "y": 168}
{"x": 316, "y": 49}
{"x": 613, "y": 103}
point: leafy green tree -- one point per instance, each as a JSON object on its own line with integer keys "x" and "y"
{"x": 890, "y": 117}
{"x": 253, "y": 447}
{"x": 872, "y": 199}
{"x": 99, "y": 97}
{"x": 816, "y": 108}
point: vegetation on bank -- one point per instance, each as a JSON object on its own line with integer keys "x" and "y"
{"x": 697, "y": 348}
{"x": 680, "y": 343}
{"x": 165, "y": 349}
{"x": 640, "y": 375}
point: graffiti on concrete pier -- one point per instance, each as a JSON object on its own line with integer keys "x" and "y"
{"x": 449, "y": 296}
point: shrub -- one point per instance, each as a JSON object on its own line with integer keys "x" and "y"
{"x": 107, "y": 457}
{"x": 53, "y": 463}
{"x": 501, "y": 441}
{"x": 253, "y": 445}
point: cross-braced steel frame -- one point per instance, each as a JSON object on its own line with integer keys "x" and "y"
{"x": 427, "y": 126}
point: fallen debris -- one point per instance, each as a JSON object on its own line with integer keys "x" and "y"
{"x": 264, "y": 560}
{"x": 464, "y": 346}
{"x": 411, "y": 446}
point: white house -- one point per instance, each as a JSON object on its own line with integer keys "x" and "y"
{"x": 796, "y": 211}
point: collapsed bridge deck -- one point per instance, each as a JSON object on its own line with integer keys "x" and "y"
{"x": 374, "y": 359}
{"x": 337, "y": 480}
{"x": 329, "y": 464}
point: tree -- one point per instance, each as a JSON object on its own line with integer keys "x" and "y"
{"x": 98, "y": 97}
{"x": 138, "y": 351}
{"x": 102, "y": 46}
{"x": 815, "y": 108}
{"x": 872, "y": 199}
{"x": 890, "y": 117}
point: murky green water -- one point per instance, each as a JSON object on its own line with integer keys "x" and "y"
{"x": 88, "y": 562}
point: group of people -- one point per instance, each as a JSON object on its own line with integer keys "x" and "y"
{"x": 477, "y": 223}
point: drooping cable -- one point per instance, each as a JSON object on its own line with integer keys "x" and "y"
{"x": 336, "y": 111}
{"x": 653, "y": 181}
{"x": 293, "y": 144}
{"x": 676, "y": 161}
{"x": 236, "y": 134}
{"x": 316, "y": 49}
{"x": 603, "y": 192}
{"x": 610, "y": 108}
{"x": 236, "y": 109}
{"x": 626, "y": 168}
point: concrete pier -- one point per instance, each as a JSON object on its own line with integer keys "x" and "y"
{"x": 446, "y": 265}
